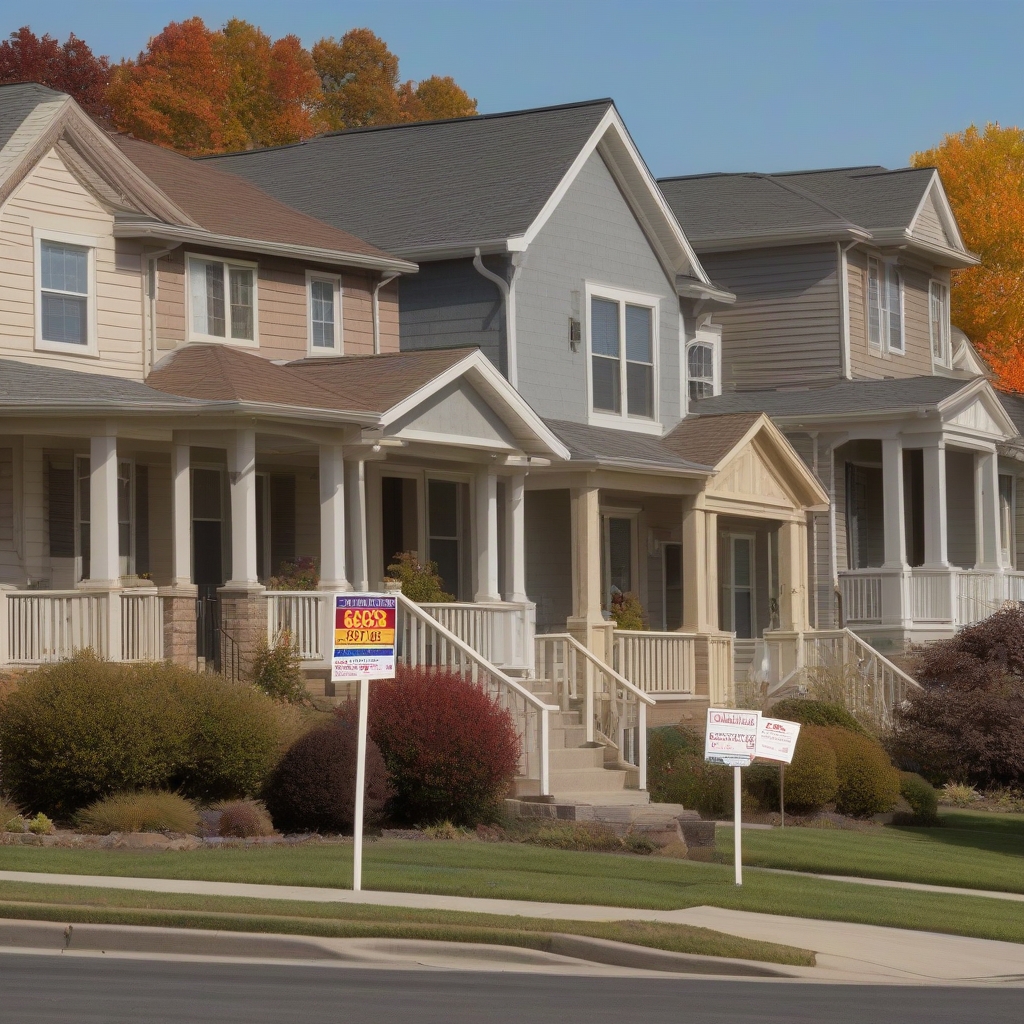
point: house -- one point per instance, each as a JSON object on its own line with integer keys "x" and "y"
{"x": 841, "y": 332}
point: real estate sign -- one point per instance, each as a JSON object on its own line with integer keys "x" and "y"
{"x": 776, "y": 739}
{"x": 364, "y": 636}
{"x": 731, "y": 736}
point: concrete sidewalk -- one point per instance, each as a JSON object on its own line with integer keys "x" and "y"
{"x": 854, "y": 952}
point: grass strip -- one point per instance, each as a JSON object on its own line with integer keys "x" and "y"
{"x": 26, "y": 901}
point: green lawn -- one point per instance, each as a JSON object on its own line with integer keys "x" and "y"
{"x": 972, "y": 849}
{"x": 527, "y": 872}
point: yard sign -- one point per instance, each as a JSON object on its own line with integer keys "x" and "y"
{"x": 731, "y": 736}
{"x": 776, "y": 739}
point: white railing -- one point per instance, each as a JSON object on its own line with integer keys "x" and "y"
{"x": 50, "y": 625}
{"x": 656, "y": 662}
{"x": 978, "y": 595}
{"x": 610, "y": 704}
{"x": 931, "y": 597}
{"x": 1014, "y": 586}
{"x": 721, "y": 685}
{"x": 862, "y": 595}
{"x": 304, "y": 616}
{"x": 423, "y": 642}
{"x": 840, "y": 664}
{"x": 500, "y": 631}
{"x": 142, "y": 626}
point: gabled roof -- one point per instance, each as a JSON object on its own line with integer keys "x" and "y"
{"x": 157, "y": 193}
{"x": 872, "y": 203}
{"x": 445, "y": 188}
{"x": 607, "y": 446}
{"x": 710, "y": 440}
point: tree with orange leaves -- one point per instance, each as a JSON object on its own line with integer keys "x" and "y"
{"x": 435, "y": 98}
{"x": 983, "y": 174}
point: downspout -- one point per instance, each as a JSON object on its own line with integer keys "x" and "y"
{"x": 149, "y": 350}
{"x": 508, "y": 295}
{"x": 385, "y": 279}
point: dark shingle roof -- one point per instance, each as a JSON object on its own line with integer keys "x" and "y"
{"x": 709, "y": 439}
{"x": 719, "y": 206}
{"x": 604, "y": 444}
{"x": 430, "y": 185}
{"x": 1014, "y": 406}
{"x": 844, "y": 397}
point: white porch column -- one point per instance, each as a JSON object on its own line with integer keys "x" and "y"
{"x": 242, "y": 481}
{"x": 355, "y": 487}
{"x": 935, "y": 525}
{"x": 485, "y": 535}
{"x": 333, "y": 575}
{"x": 892, "y": 498}
{"x": 700, "y": 568}
{"x": 793, "y": 576}
{"x": 515, "y": 538}
{"x": 586, "y": 622}
{"x": 987, "y": 473}
{"x": 181, "y": 515}
{"x": 104, "y": 556}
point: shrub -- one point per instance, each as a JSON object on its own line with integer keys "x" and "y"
{"x": 959, "y": 794}
{"x": 627, "y": 611}
{"x": 450, "y": 750}
{"x": 815, "y": 712}
{"x": 83, "y": 729}
{"x": 811, "y": 781}
{"x": 243, "y": 819}
{"x": 868, "y": 783}
{"x": 302, "y": 574}
{"x": 923, "y": 800}
{"x": 312, "y": 789}
{"x": 696, "y": 784}
{"x": 41, "y": 825}
{"x": 145, "y": 811}
{"x": 577, "y": 835}
{"x": 16, "y": 824}
{"x": 420, "y": 580}
{"x": 277, "y": 669}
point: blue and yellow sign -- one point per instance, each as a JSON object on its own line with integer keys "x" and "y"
{"x": 364, "y": 636}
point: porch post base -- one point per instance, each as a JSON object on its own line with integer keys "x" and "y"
{"x": 179, "y": 618}
{"x": 243, "y": 620}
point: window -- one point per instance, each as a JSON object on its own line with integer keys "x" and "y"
{"x": 939, "y": 322}
{"x": 65, "y": 313}
{"x": 623, "y": 342}
{"x": 324, "y": 314}
{"x": 885, "y": 307}
{"x": 619, "y": 554}
{"x": 222, "y": 298}
{"x": 700, "y": 370}
{"x": 1006, "y": 518}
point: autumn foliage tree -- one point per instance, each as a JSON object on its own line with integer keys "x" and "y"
{"x": 983, "y": 173}
{"x": 70, "y": 67}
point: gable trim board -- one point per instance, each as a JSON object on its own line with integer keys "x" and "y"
{"x": 935, "y": 193}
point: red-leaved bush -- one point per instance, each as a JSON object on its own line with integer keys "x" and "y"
{"x": 451, "y": 752}
{"x": 967, "y": 725}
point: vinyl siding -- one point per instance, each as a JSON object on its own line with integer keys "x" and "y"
{"x": 929, "y": 224}
{"x": 549, "y": 557}
{"x": 52, "y": 198}
{"x": 591, "y": 237}
{"x": 785, "y": 327}
{"x": 448, "y": 304}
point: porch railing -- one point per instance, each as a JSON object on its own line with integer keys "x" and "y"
{"x": 609, "y": 703}
{"x": 979, "y": 594}
{"x": 304, "y": 616}
{"x": 142, "y": 626}
{"x": 659, "y": 662}
{"x": 500, "y": 631}
{"x": 862, "y": 595}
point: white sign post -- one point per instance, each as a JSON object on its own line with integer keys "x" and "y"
{"x": 731, "y": 739}
{"x": 365, "y": 626}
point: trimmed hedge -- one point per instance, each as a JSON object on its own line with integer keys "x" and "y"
{"x": 83, "y": 729}
{"x": 868, "y": 783}
{"x": 815, "y": 712}
{"x": 923, "y": 800}
{"x": 811, "y": 779}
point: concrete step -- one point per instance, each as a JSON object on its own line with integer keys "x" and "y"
{"x": 611, "y": 798}
{"x": 591, "y": 780}
{"x": 576, "y": 757}
{"x": 561, "y": 737}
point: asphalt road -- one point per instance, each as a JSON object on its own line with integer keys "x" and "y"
{"x": 36, "y": 988}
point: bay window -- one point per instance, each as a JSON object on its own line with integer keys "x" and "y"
{"x": 222, "y": 299}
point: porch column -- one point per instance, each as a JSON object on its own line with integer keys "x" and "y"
{"x": 515, "y": 538}
{"x": 333, "y": 574}
{"x": 181, "y": 515}
{"x": 585, "y": 522}
{"x": 486, "y": 535}
{"x": 242, "y": 480}
{"x": 355, "y": 488}
{"x": 892, "y": 500}
{"x": 104, "y": 556}
{"x": 700, "y": 568}
{"x": 793, "y": 576}
{"x": 935, "y": 525}
{"x": 987, "y": 474}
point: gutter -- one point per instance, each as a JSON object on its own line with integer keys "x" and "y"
{"x": 783, "y": 236}
{"x": 385, "y": 279}
{"x": 691, "y": 288}
{"x": 508, "y": 295}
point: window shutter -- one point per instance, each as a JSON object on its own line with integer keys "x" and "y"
{"x": 62, "y": 512}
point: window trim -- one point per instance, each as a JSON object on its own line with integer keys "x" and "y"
{"x": 623, "y": 420}
{"x": 947, "y": 362}
{"x": 339, "y": 327}
{"x": 713, "y": 339}
{"x": 90, "y": 243}
{"x": 884, "y": 347}
{"x": 213, "y": 339}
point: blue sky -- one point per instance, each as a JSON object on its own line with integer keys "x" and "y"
{"x": 702, "y": 86}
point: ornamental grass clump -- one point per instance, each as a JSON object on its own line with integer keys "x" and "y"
{"x": 243, "y": 819}
{"x": 145, "y": 811}
{"x": 277, "y": 669}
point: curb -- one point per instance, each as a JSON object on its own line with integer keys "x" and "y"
{"x": 47, "y": 936}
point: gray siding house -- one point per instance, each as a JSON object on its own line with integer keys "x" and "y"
{"x": 841, "y": 332}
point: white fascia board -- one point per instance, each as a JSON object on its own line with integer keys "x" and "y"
{"x": 982, "y": 389}
{"x": 175, "y": 233}
{"x": 612, "y": 124}
{"x": 784, "y": 236}
{"x": 24, "y": 138}
{"x": 949, "y": 218}
{"x": 900, "y": 238}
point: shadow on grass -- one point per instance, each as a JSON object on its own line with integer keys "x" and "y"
{"x": 992, "y": 832}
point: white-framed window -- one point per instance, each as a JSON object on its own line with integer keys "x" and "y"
{"x": 221, "y": 300}
{"x": 938, "y": 318}
{"x": 324, "y": 305}
{"x": 620, "y": 556}
{"x": 700, "y": 369}
{"x": 885, "y": 307}
{"x": 622, "y": 344}
{"x": 65, "y": 294}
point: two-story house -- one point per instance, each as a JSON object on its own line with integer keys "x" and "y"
{"x": 841, "y": 333}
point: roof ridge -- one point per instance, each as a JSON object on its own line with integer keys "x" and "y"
{"x": 804, "y": 194}
{"x": 367, "y": 129}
